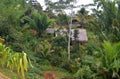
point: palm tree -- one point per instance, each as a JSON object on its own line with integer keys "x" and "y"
{"x": 108, "y": 19}
{"x": 40, "y": 22}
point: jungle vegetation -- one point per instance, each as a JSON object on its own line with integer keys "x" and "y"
{"x": 29, "y": 51}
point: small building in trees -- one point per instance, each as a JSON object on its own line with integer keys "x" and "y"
{"x": 78, "y": 31}
{"x": 78, "y": 23}
{"x": 79, "y": 35}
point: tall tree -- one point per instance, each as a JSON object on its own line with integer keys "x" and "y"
{"x": 107, "y": 24}
{"x": 59, "y": 6}
{"x": 62, "y": 19}
{"x": 35, "y": 4}
{"x": 38, "y": 22}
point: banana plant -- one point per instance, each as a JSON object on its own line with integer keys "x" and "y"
{"x": 13, "y": 60}
{"x": 19, "y": 62}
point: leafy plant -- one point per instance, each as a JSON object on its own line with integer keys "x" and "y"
{"x": 46, "y": 49}
{"x": 111, "y": 58}
{"x": 107, "y": 20}
{"x": 84, "y": 73}
{"x": 41, "y": 22}
{"x": 110, "y": 64}
{"x": 13, "y": 60}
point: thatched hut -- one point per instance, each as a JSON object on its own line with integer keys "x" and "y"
{"x": 79, "y": 35}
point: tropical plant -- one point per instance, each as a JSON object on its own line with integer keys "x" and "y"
{"x": 63, "y": 19}
{"x": 15, "y": 61}
{"x": 110, "y": 65}
{"x": 107, "y": 20}
{"x": 84, "y": 73}
{"x": 39, "y": 22}
{"x": 45, "y": 49}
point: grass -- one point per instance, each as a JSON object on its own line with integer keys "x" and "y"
{"x": 59, "y": 72}
{"x": 62, "y": 74}
{"x": 8, "y": 73}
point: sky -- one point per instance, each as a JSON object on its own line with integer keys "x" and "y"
{"x": 79, "y": 2}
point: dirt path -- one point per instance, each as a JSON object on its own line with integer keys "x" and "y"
{"x": 3, "y": 76}
{"x": 49, "y": 75}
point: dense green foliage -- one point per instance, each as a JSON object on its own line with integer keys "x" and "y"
{"x": 107, "y": 20}
{"x": 23, "y": 26}
{"x": 62, "y": 19}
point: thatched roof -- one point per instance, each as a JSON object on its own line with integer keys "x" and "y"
{"x": 79, "y": 35}
{"x": 76, "y": 34}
